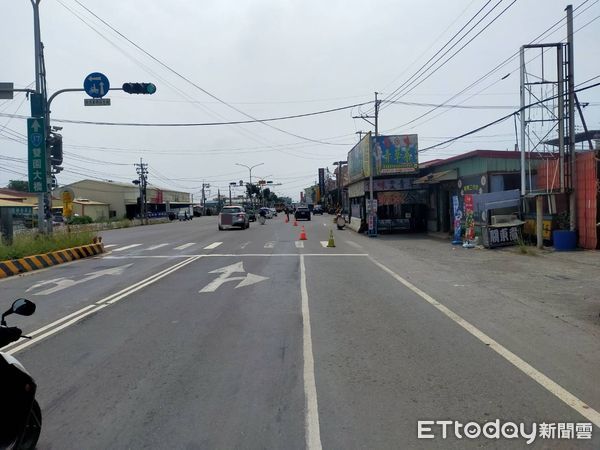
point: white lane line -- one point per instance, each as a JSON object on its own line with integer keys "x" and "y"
{"x": 110, "y": 245}
{"x": 299, "y": 244}
{"x": 126, "y": 247}
{"x": 90, "y": 309}
{"x": 184, "y": 246}
{"x": 270, "y": 244}
{"x": 323, "y": 243}
{"x": 312, "y": 433}
{"x": 554, "y": 388}
{"x": 154, "y": 247}
{"x": 55, "y": 330}
{"x": 213, "y": 245}
{"x": 244, "y": 245}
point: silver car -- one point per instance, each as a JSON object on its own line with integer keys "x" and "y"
{"x": 233, "y": 216}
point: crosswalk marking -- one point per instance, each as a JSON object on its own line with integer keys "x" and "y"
{"x": 184, "y": 246}
{"x": 323, "y": 243}
{"x": 299, "y": 244}
{"x": 213, "y": 245}
{"x": 154, "y": 247}
{"x": 126, "y": 247}
{"x": 270, "y": 244}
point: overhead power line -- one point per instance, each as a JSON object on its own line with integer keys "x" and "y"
{"x": 170, "y": 69}
{"x": 201, "y": 124}
{"x": 502, "y": 119}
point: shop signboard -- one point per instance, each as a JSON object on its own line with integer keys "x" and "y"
{"x": 469, "y": 219}
{"x": 358, "y": 159}
{"x": 395, "y": 154}
{"x": 321, "y": 181}
{"x": 457, "y": 219}
{"x": 391, "y": 184}
{"x": 501, "y": 236}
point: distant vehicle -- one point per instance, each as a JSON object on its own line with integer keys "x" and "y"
{"x": 318, "y": 209}
{"x": 233, "y": 216}
{"x": 302, "y": 212}
{"x": 184, "y": 215}
{"x": 251, "y": 214}
{"x": 274, "y": 212}
{"x": 268, "y": 212}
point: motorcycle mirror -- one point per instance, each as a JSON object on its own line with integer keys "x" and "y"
{"x": 23, "y": 307}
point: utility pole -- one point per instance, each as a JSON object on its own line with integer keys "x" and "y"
{"x": 142, "y": 171}
{"x": 571, "y": 112}
{"x": 204, "y": 185}
{"x": 371, "y": 209}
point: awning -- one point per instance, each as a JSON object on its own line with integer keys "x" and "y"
{"x": 437, "y": 177}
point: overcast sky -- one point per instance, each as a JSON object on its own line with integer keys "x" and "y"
{"x": 274, "y": 58}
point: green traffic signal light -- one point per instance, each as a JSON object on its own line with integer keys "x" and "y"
{"x": 139, "y": 88}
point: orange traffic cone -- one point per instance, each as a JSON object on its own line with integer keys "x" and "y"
{"x": 295, "y": 223}
{"x": 303, "y": 234}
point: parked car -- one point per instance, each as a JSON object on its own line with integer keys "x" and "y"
{"x": 184, "y": 215}
{"x": 268, "y": 212}
{"x": 233, "y": 216}
{"x": 302, "y": 212}
{"x": 251, "y": 215}
{"x": 318, "y": 209}
{"x": 273, "y": 211}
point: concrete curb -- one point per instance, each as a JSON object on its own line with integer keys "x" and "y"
{"x": 35, "y": 262}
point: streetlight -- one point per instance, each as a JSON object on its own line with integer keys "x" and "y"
{"x": 250, "y": 170}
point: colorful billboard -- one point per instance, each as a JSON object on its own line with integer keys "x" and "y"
{"x": 395, "y": 154}
{"x": 358, "y": 159}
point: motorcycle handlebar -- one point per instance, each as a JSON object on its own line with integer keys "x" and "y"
{"x": 9, "y": 334}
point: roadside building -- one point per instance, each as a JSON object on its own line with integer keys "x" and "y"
{"x": 123, "y": 198}
{"x": 472, "y": 173}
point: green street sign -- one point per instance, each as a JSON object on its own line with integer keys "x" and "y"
{"x": 36, "y": 143}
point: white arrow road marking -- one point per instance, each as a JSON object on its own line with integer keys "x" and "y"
{"x": 224, "y": 277}
{"x": 299, "y": 244}
{"x": 184, "y": 246}
{"x": 63, "y": 283}
{"x": 213, "y": 245}
{"x": 126, "y": 247}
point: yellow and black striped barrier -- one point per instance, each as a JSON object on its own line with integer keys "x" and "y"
{"x": 29, "y": 263}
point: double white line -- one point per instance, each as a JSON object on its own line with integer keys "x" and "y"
{"x": 64, "y": 322}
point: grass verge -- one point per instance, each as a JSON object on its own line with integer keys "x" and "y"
{"x": 29, "y": 245}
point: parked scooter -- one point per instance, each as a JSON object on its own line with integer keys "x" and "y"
{"x": 20, "y": 414}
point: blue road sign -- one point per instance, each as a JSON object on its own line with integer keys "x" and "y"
{"x": 96, "y": 85}
{"x": 36, "y": 129}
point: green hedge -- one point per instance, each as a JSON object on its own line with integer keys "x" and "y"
{"x": 28, "y": 245}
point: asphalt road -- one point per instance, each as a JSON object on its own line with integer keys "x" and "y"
{"x": 183, "y": 336}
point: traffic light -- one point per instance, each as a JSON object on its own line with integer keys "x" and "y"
{"x": 139, "y": 88}
{"x": 54, "y": 144}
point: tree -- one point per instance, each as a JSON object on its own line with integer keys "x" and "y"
{"x": 18, "y": 185}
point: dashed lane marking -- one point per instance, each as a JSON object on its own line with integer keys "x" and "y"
{"x": 127, "y": 247}
{"x": 110, "y": 245}
{"x": 270, "y": 244}
{"x": 154, "y": 247}
{"x": 184, "y": 246}
{"x": 213, "y": 245}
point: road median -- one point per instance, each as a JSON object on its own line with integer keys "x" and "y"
{"x": 29, "y": 263}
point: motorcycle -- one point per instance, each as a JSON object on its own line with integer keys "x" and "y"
{"x": 20, "y": 416}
